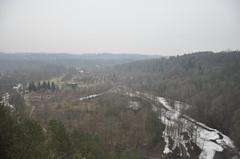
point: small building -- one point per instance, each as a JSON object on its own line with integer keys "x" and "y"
{"x": 71, "y": 86}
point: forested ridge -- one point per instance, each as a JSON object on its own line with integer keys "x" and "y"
{"x": 208, "y": 81}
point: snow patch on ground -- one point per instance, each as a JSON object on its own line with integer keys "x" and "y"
{"x": 154, "y": 108}
{"x": 164, "y": 102}
{"x": 5, "y": 101}
{"x": 90, "y": 96}
{"x": 207, "y": 139}
{"x": 134, "y": 105}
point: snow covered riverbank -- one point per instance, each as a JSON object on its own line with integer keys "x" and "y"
{"x": 178, "y": 126}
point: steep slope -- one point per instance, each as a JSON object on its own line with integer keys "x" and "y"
{"x": 208, "y": 81}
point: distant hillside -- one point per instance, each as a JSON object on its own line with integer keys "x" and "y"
{"x": 208, "y": 81}
{"x": 86, "y": 60}
{"x": 26, "y": 67}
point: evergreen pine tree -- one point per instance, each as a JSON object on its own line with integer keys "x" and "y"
{"x": 39, "y": 86}
{"x": 44, "y": 85}
{"x": 48, "y": 85}
{"x": 53, "y": 87}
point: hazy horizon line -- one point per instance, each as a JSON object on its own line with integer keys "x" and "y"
{"x": 115, "y": 53}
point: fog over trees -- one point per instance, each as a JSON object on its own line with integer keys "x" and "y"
{"x": 119, "y": 79}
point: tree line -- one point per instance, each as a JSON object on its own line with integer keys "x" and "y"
{"x": 41, "y": 86}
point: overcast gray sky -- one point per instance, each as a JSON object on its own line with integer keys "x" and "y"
{"x": 165, "y": 27}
